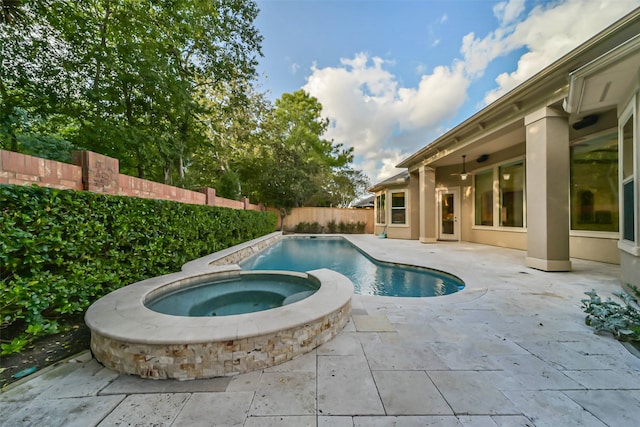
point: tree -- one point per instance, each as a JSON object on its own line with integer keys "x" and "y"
{"x": 295, "y": 165}
{"x": 234, "y": 115}
{"x": 346, "y": 185}
{"x": 31, "y": 90}
{"x": 127, "y": 72}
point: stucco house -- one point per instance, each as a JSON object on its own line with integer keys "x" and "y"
{"x": 552, "y": 167}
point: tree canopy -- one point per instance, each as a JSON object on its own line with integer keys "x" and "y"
{"x": 167, "y": 87}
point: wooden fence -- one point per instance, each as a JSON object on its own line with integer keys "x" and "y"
{"x": 323, "y": 216}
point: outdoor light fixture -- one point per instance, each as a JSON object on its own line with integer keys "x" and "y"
{"x": 464, "y": 174}
{"x": 506, "y": 176}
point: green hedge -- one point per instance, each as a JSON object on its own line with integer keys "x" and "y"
{"x": 61, "y": 250}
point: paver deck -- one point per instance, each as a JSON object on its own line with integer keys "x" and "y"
{"x": 511, "y": 349}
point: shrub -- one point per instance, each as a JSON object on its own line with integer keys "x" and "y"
{"x": 332, "y": 227}
{"x": 621, "y": 320}
{"x": 346, "y": 227}
{"x": 61, "y": 250}
{"x": 308, "y": 227}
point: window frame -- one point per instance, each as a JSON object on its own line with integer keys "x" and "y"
{"x": 629, "y": 113}
{"x": 488, "y": 171}
{"x": 613, "y": 235}
{"x": 381, "y": 212}
{"x": 405, "y": 193}
{"x": 497, "y": 200}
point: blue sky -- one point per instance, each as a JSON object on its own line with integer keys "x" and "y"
{"x": 394, "y": 75}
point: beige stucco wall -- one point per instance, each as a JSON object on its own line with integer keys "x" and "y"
{"x": 630, "y": 269}
{"x": 594, "y": 249}
{"x": 413, "y": 207}
{"x": 504, "y": 239}
{"x": 410, "y": 230}
{"x": 398, "y": 232}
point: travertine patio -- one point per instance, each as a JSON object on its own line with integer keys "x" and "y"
{"x": 510, "y": 350}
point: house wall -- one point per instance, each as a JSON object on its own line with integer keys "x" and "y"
{"x": 446, "y": 178}
{"x": 413, "y": 207}
{"x": 410, "y": 230}
{"x": 594, "y": 249}
{"x": 630, "y": 270}
{"x": 630, "y": 255}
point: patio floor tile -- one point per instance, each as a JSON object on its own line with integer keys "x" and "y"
{"x": 207, "y": 409}
{"x": 282, "y": 393}
{"x": 468, "y": 393}
{"x": 410, "y": 393}
{"x": 147, "y": 410}
{"x": 346, "y": 387}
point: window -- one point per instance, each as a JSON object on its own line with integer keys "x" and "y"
{"x": 499, "y": 198}
{"x": 628, "y": 178}
{"x": 511, "y": 178}
{"x": 380, "y": 209}
{"x": 484, "y": 198}
{"x": 594, "y": 184}
{"x": 398, "y": 210}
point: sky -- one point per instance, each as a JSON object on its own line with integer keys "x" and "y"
{"x": 394, "y": 75}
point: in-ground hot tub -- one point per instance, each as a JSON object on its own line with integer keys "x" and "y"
{"x": 129, "y": 337}
{"x": 245, "y": 293}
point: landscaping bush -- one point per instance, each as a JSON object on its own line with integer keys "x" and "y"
{"x": 308, "y": 227}
{"x": 61, "y": 250}
{"x": 621, "y": 320}
{"x": 332, "y": 227}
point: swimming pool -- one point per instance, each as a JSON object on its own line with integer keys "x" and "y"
{"x": 369, "y": 277}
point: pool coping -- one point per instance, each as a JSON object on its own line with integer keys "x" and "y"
{"x": 129, "y": 337}
{"x": 123, "y": 316}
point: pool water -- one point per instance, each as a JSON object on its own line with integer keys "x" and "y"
{"x": 369, "y": 277}
{"x": 245, "y": 294}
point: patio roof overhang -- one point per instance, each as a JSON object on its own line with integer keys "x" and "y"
{"x": 606, "y": 81}
{"x": 399, "y": 179}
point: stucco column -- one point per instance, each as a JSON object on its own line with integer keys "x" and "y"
{"x": 547, "y": 190}
{"x": 427, "y": 178}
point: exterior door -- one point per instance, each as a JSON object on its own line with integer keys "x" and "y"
{"x": 448, "y": 212}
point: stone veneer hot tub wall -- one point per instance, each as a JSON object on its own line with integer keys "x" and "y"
{"x": 128, "y": 337}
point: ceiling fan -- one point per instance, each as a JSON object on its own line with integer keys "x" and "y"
{"x": 464, "y": 174}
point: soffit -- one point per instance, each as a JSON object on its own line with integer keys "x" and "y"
{"x": 604, "y": 82}
{"x": 492, "y": 142}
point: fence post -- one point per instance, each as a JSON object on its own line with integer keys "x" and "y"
{"x": 210, "y": 194}
{"x": 100, "y": 173}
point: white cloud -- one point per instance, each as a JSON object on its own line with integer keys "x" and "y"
{"x": 381, "y": 120}
{"x": 444, "y": 18}
{"x": 508, "y": 11}
{"x": 435, "y": 43}
{"x": 385, "y": 122}
{"x": 547, "y": 33}
{"x": 294, "y": 68}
